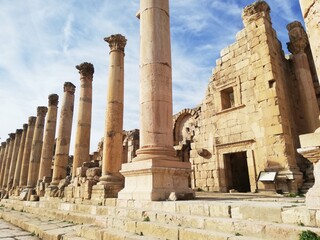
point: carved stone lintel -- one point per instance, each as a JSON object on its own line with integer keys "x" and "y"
{"x": 53, "y": 99}
{"x": 298, "y": 38}
{"x": 25, "y": 127}
{"x": 32, "y": 120}
{"x": 116, "y": 42}
{"x": 69, "y": 87}
{"x": 86, "y": 69}
{"x": 42, "y": 111}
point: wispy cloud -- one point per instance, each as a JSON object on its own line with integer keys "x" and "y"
{"x": 42, "y": 41}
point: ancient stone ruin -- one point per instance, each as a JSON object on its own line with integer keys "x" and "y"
{"x": 256, "y": 131}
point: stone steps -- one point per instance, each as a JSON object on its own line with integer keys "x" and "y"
{"x": 171, "y": 220}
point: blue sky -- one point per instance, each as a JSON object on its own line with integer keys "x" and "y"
{"x": 41, "y": 42}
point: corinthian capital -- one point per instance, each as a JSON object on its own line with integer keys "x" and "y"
{"x": 86, "y": 69}
{"x": 25, "y": 127}
{"x": 32, "y": 120}
{"x": 53, "y": 100}
{"x": 116, "y": 42}
{"x": 298, "y": 38}
{"x": 69, "y": 87}
{"x": 42, "y": 111}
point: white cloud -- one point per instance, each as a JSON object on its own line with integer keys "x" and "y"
{"x": 42, "y": 41}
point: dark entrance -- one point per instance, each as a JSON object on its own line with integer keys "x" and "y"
{"x": 237, "y": 174}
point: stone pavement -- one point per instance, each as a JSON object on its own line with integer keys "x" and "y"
{"x": 11, "y": 232}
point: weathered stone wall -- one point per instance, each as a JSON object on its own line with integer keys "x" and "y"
{"x": 248, "y": 112}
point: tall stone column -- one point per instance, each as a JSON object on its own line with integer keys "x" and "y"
{"x": 8, "y": 161}
{"x": 48, "y": 140}
{"x": 27, "y": 152}
{"x": 311, "y": 14}
{"x": 155, "y": 172}
{"x": 14, "y": 157}
{"x": 36, "y": 148}
{"x": 4, "y": 150}
{"x": 111, "y": 179}
{"x": 64, "y": 135}
{"x": 17, "y": 171}
{"x": 82, "y": 141}
{"x": 298, "y": 43}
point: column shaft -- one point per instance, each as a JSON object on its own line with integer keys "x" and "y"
{"x": 27, "y": 152}
{"x": 48, "y": 140}
{"x": 298, "y": 43}
{"x": 4, "y": 158}
{"x": 113, "y": 137}
{"x": 16, "y": 147}
{"x": 8, "y": 161}
{"x": 156, "y": 78}
{"x": 17, "y": 171}
{"x": 36, "y": 149}
{"x": 64, "y": 135}
{"x": 82, "y": 141}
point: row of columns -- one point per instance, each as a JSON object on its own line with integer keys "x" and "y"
{"x": 26, "y": 157}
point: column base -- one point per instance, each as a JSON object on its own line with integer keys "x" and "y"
{"x": 101, "y": 191}
{"x": 155, "y": 179}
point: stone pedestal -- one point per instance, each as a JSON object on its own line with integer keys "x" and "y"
{"x": 36, "y": 148}
{"x": 48, "y": 141}
{"x": 82, "y": 140}
{"x": 155, "y": 172}
{"x": 64, "y": 135}
{"x": 112, "y": 145}
{"x": 310, "y": 149}
{"x": 27, "y": 152}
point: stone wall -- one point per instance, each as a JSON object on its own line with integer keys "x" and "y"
{"x": 248, "y": 119}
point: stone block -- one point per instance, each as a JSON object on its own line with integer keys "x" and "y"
{"x": 157, "y": 230}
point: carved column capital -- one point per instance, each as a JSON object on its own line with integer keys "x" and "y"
{"x": 3, "y": 144}
{"x": 298, "y": 38}
{"x": 255, "y": 11}
{"x": 86, "y": 69}
{"x": 8, "y": 141}
{"x": 19, "y": 131}
{"x": 116, "y": 42}
{"x": 53, "y": 99}
{"x": 42, "y": 111}
{"x": 69, "y": 87}
{"x": 25, "y": 127}
{"x": 32, "y": 120}
{"x": 12, "y": 136}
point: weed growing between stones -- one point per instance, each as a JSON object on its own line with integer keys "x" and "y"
{"x": 308, "y": 235}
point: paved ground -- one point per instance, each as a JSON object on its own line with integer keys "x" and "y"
{"x": 11, "y": 232}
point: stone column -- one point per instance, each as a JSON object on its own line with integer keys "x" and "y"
{"x": 298, "y": 43}
{"x": 17, "y": 171}
{"x": 112, "y": 145}
{"x": 4, "y": 150}
{"x": 311, "y": 14}
{"x": 36, "y": 148}
{"x": 26, "y": 152}
{"x": 14, "y": 157}
{"x": 82, "y": 141}
{"x": 64, "y": 135}
{"x": 8, "y": 161}
{"x": 48, "y": 140}
{"x": 155, "y": 172}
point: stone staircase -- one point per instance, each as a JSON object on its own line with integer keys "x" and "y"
{"x": 182, "y": 220}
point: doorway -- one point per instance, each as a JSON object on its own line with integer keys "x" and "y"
{"x": 237, "y": 174}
